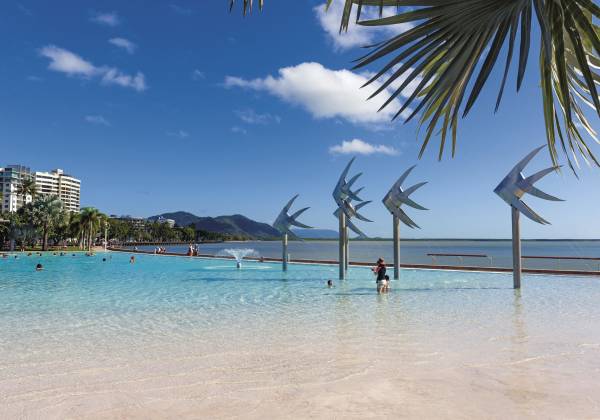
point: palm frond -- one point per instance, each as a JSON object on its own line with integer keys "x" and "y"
{"x": 247, "y": 5}
{"x": 454, "y": 46}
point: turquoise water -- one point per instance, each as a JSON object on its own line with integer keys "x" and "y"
{"x": 82, "y": 324}
{"x": 73, "y": 296}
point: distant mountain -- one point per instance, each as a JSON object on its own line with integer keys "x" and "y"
{"x": 234, "y": 225}
{"x": 316, "y": 233}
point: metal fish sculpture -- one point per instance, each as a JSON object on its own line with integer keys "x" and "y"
{"x": 344, "y": 195}
{"x": 285, "y": 221}
{"x": 397, "y": 196}
{"x": 514, "y": 186}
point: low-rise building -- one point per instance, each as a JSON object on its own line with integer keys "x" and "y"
{"x": 168, "y": 222}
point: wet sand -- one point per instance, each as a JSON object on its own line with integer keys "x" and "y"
{"x": 278, "y": 371}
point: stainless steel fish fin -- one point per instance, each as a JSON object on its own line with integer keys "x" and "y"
{"x": 541, "y": 194}
{"x": 528, "y": 182}
{"x": 528, "y": 212}
{"x": 518, "y": 168}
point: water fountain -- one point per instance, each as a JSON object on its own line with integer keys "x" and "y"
{"x": 239, "y": 254}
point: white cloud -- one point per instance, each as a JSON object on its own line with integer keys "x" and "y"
{"x": 108, "y": 19}
{"x": 238, "y": 130}
{"x": 123, "y": 43}
{"x": 360, "y": 147}
{"x": 65, "y": 61}
{"x": 97, "y": 119}
{"x": 357, "y": 35}
{"x": 114, "y": 76}
{"x": 198, "y": 75}
{"x": 249, "y": 116}
{"x": 325, "y": 93}
{"x": 180, "y": 134}
{"x": 34, "y": 78}
{"x": 24, "y": 10}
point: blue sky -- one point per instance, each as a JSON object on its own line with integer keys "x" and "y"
{"x": 164, "y": 106}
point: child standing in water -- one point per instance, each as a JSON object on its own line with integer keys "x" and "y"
{"x": 380, "y": 270}
{"x": 387, "y": 284}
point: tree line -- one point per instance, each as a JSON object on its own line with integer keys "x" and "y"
{"x": 45, "y": 222}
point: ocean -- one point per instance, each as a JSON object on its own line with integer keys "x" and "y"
{"x": 498, "y": 253}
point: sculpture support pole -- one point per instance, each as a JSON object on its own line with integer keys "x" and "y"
{"x": 347, "y": 257}
{"x": 516, "y": 244}
{"x": 342, "y": 254}
{"x": 284, "y": 256}
{"x": 396, "y": 228}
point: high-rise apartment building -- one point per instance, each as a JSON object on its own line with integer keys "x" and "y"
{"x": 66, "y": 187}
{"x": 55, "y": 183}
{"x": 11, "y": 178}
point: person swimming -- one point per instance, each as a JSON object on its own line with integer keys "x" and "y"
{"x": 39, "y": 267}
{"x": 330, "y": 283}
{"x": 132, "y": 259}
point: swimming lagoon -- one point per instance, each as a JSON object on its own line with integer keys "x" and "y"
{"x": 197, "y": 338}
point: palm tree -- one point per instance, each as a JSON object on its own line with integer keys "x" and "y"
{"x": 45, "y": 213}
{"x": 91, "y": 220}
{"x": 76, "y": 228}
{"x": 453, "y": 47}
{"x": 27, "y": 187}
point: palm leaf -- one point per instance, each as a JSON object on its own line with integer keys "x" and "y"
{"x": 246, "y": 5}
{"x": 455, "y": 45}
{"x": 468, "y": 36}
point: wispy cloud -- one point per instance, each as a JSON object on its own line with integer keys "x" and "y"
{"x": 238, "y": 130}
{"x": 250, "y": 116}
{"x": 106, "y": 18}
{"x": 97, "y": 119}
{"x": 357, "y": 35}
{"x": 198, "y": 75}
{"x": 24, "y": 10}
{"x": 181, "y": 10}
{"x": 361, "y": 147}
{"x": 182, "y": 134}
{"x": 325, "y": 93}
{"x": 67, "y": 62}
{"x": 123, "y": 43}
{"x": 34, "y": 78}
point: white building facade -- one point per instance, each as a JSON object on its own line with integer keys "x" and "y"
{"x": 57, "y": 183}
{"x": 11, "y": 178}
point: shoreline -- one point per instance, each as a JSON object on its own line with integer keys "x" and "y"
{"x": 370, "y": 264}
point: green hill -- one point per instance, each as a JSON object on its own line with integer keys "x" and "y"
{"x": 236, "y": 224}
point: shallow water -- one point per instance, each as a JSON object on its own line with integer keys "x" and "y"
{"x": 170, "y": 336}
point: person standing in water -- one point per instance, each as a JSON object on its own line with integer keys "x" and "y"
{"x": 380, "y": 271}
